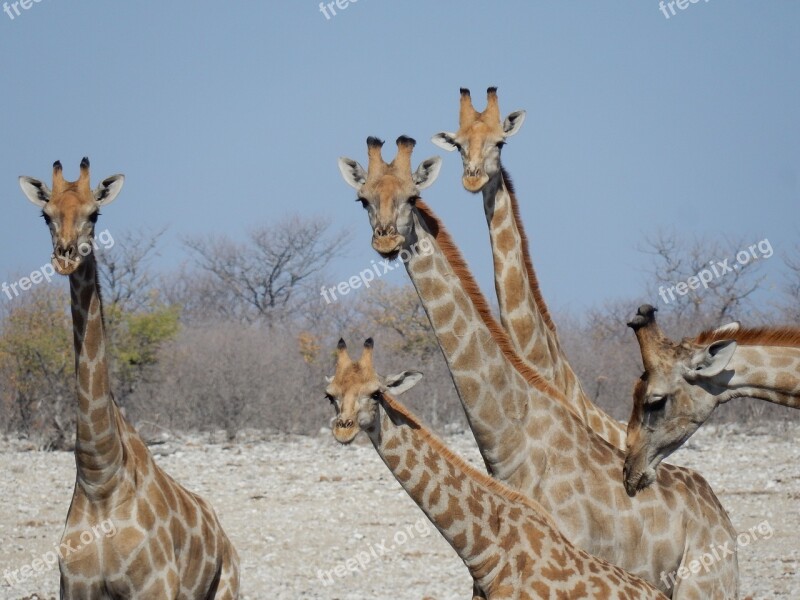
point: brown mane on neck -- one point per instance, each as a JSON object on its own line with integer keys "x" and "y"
{"x": 453, "y": 256}
{"x": 493, "y": 485}
{"x": 754, "y": 336}
{"x": 526, "y": 255}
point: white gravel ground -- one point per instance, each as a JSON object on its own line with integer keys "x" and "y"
{"x": 301, "y": 509}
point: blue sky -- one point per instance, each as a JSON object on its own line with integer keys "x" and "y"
{"x": 226, "y": 115}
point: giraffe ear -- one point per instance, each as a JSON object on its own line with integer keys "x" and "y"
{"x": 402, "y": 382}
{"x": 445, "y": 141}
{"x": 712, "y": 360}
{"x": 427, "y": 172}
{"x": 354, "y": 174}
{"x": 108, "y": 189}
{"x": 35, "y": 191}
{"x": 513, "y": 122}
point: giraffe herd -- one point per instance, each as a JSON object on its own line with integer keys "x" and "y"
{"x": 571, "y": 505}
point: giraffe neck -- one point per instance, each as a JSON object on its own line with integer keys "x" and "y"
{"x": 508, "y": 542}
{"x": 523, "y": 312}
{"x": 457, "y": 498}
{"x": 770, "y": 373}
{"x": 510, "y": 249}
{"x": 533, "y": 442}
{"x": 485, "y": 369}
{"x": 98, "y": 446}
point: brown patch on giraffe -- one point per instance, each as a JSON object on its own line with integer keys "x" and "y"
{"x": 157, "y": 589}
{"x": 459, "y": 539}
{"x": 505, "y": 241}
{"x": 145, "y": 514}
{"x": 490, "y": 413}
{"x": 785, "y": 380}
{"x": 99, "y": 383}
{"x": 392, "y": 444}
{"x": 525, "y": 326}
{"x": 411, "y": 459}
{"x": 452, "y": 513}
{"x": 419, "y": 488}
{"x": 140, "y": 567}
{"x": 432, "y": 462}
{"x": 435, "y": 495}
{"x": 514, "y": 294}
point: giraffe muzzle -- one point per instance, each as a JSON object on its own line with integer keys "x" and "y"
{"x": 66, "y": 258}
{"x": 388, "y": 244}
{"x": 474, "y": 180}
{"x": 637, "y": 474}
{"x": 345, "y": 430}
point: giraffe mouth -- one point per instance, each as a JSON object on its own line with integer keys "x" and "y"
{"x": 636, "y": 478}
{"x": 388, "y": 246}
{"x": 65, "y": 265}
{"x": 345, "y": 435}
{"x": 474, "y": 183}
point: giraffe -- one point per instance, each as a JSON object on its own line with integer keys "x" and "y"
{"x": 167, "y": 542}
{"x": 523, "y": 311}
{"x": 527, "y": 435}
{"x": 684, "y": 382}
{"x": 508, "y": 542}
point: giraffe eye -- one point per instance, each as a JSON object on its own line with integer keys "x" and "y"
{"x": 413, "y": 200}
{"x": 47, "y": 218}
{"x": 376, "y": 395}
{"x": 654, "y": 410}
{"x": 330, "y": 399}
{"x": 364, "y": 201}
{"x": 93, "y": 216}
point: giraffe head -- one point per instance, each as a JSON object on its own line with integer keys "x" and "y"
{"x": 356, "y": 389}
{"x": 681, "y": 385}
{"x": 70, "y": 210}
{"x": 388, "y": 192}
{"x": 479, "y": 138}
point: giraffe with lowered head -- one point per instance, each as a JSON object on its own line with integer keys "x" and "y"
{"x": 167, "y": 542}
{"x": 528, "y": 436}
{"x": 684, "y": 382}
{"x": 508, "y": 542}
{"x": 523, "y": 311}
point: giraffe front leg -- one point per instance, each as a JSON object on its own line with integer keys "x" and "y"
{"x": 477, "y": 593}
{"x": 229, "y": 578}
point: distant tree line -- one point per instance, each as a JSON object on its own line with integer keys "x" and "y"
{"x": 240, "y": 339}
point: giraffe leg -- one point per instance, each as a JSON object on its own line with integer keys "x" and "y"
{"x": 228, "y": 588}
{"x": 477, "y": 594}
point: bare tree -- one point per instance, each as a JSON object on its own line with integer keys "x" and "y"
{"x": 791, "y": 307}
{"x": 268, "y": 273}
{"x": 705, "y": 282}
{"x": 124, "y": 269}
